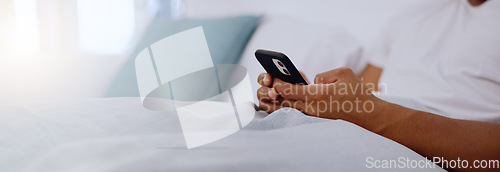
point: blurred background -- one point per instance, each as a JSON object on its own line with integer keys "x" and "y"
{"x": 69, "y": 48}
{"x": 72, "y": 48}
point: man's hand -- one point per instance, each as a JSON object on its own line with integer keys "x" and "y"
{"x": 269, "y": 99}
{"x": 337, "y": 93}
{"x": 267, "y": 96}
{"x": 428, "y": 134}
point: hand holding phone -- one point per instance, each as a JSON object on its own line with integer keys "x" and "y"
{"x": 279, "y": 66}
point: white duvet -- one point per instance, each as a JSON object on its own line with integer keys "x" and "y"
{"x": 118, "y": 134}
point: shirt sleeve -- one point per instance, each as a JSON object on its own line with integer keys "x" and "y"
{"x": 378, "y": 53}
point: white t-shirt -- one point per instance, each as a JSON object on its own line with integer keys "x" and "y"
{"x": 446, "y": 55}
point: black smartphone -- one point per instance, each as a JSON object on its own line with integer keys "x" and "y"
{"x": 279, "y": 66}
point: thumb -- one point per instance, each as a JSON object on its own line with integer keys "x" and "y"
{"x": 325, "y": 78}
{"x": 332, "y": 76}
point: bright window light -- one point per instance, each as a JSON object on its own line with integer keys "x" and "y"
{"x": 26, "y": 32}
{"x": 105, "y": 26}
{"x": 168, "y": 8}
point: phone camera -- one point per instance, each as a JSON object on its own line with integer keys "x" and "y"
{"x": 286, "y": 71}
{"x": 281, "y": 64}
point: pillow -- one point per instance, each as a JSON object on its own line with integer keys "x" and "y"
{"x": 226, "y": 39}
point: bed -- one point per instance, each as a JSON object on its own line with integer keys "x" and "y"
{"x": 118, "y": 134}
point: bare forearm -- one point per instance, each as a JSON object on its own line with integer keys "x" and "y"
{"x": 428, "y": 134}
{"x": 432, "y": 135}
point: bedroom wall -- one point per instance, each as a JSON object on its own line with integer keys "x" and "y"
{"x": 58, "y": 65}
{"x": 67, "y": 72}
{"x": 362, "y": 18}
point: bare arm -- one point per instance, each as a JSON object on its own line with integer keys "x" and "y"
{"x": 438, "y": 136}
{"x": 435, "y": 136}
{"x": 428, "y": 134}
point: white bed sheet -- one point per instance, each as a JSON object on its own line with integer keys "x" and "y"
{"x": 118, "y": 134}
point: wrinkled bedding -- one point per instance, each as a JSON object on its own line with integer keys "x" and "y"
{"x": 118, "y": 134}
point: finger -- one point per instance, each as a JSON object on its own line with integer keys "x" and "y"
{"x": 269, "y": 107}
{"x": 325, "y": 78}
{"x": 263, "y": 94}
{"x": 289, "y": 91}
{"x": 273, "y": 94}
{"x": 264, "y": 79}
{"x": 333, "y": 75}
{"x": 300, "y": 92}
{"x": 260, "y": 79}
{"x": 313, "y": 108}
{"x": 268, "y": 94}
{"x": 301, "y": 106}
